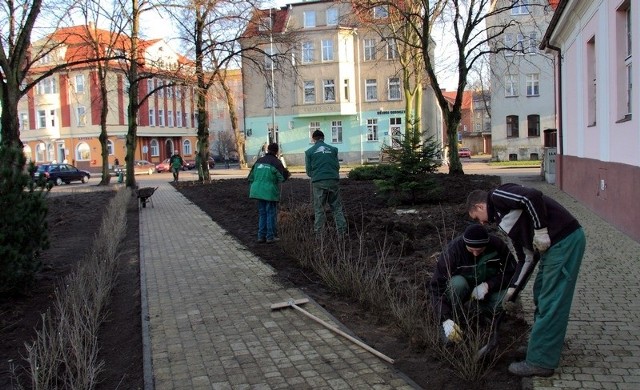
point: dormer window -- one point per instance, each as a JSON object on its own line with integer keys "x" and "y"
{"x": 309, "y": 19}
{"x": 381, "y": 12}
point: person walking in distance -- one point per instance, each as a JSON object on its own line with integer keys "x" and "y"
{"x": 176, "y": 164}
{"x": 323, "y": 167}
{"x": 265, "y": 177}
{"x": 475, "y": 267}
{"x": 535, "y": 222}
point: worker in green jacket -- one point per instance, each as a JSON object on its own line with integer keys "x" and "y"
{"x": 265, "y": 177}
{"x": 323, "y": 167}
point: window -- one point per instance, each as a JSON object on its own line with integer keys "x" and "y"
{"x": 508, "y": 43}
{"x": 395, "y": 129}
{"x": 511, "y": 85}
{"x": 270, "y": 97}
{"x": 371, "y": 90}
{"x": 512, "y": 126}
{"x": 159, "y": 85}
{"x": 153, "y": 148}
{"x": 309, "y": 92}
{"x": 170, "y": 92}
{"x": 372, "y": 129}
{"x": 26, "y": 150}
{"x": 79, "y": 83}
{"x": 40, "y": 152}
{"x": 394, "y": 88}
{"x": 50, "y": 154}
{"x": 369, "y": 49}
{"x": 269, "y": 58}
{"x": 150, "y": 85}
{"x": 178, "y": 119}
{"x": 520, "y": 43}
{"x": 520, "y": 7}
{"x": 265, "y": 24}
{"x": 329, "y": 88}
{"x": 533, "y": 84}
{"x": 533, "y": 42}
{"x": 83, "y": 152}
{"x": 332, "y": 17}
{"x": 533, "y": 124}
{"x": 591, "y": 81}
{"x": 178, "y": 92}
{"x": 152, "y": 117}
{"x": 186, "y": 147}
{"x": 161, "y": 118}
{"x": 52, "y": 116}
{"x": 42, "y": 119}
{"x": 24, "y": 120}
{"x": 170, "y": 118}
{"x": 313, "y": 126}
{"x": 327, "y": 50}
{"x": 380, "y": 12}
{"x": 47, "y": 86}
{"x": 624, "y": 81}
{"x": 478, "y": 126}
{"x": 392, "y": 49}
{"x": 307, "y": 52}
{"x": 81, "y": 116}
{"x": 346, "y": 90}
{"x": 309, "y": 19}
{"x": 336, "y": 131}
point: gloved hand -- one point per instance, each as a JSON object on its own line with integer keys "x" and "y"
{"x": 480, "y": 291}
{"x": 509, "y": 294}
{"x": 541, "y": 239}
{"x": 452, "y": 331}
{"x": 507, "y": 304}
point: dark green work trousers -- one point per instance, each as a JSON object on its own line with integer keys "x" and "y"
{"x": 552, "y": 294}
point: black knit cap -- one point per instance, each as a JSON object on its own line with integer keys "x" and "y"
{"x": 476, "y": 236}
{"x": 273, "y": 148}
{"x": 317, "y": 134}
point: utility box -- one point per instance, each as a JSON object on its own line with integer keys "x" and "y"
{"x": 549, "y": 165}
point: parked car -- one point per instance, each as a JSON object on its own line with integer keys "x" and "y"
{"x": 189, "y": 164}
{"x": 140, "y": 167}
{"x": 212, "y": 162}
{"x": 61, "y": 173}
{"x": 163, "y": 166}
{"x": 464, "y": 153}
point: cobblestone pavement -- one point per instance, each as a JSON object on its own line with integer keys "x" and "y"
{"x": 209, "y": 323}
{"x": 208, "y": 319}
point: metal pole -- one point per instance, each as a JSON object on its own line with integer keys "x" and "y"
{"x": 272, "y": 136}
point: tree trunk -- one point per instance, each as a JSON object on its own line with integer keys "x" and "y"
{"x": 132, "y": 136}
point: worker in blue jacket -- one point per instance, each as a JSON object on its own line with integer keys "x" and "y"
{"x": 265, "y": 177}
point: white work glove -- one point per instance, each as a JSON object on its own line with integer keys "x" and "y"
{"x": 509, "y": 294}
{"x": 541, "y": 240}
{"x": 452, "y": 331}
{"x": 480, "y": 291}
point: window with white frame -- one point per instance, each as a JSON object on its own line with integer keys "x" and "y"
{"x": 520, "y": 7}
{"x": 309, "y": 91}
{"x": 309, "y": 19}
{"x": 81, "y": 116}
{"x": 381, "y": 12}
{"x": 47, "y": 86}
{"x": 186, "y": 147}
{"x": 170, "y": 118}
{"x": 24, "y": 120}
{"x": 394, "y": 88}
{"x": 392, "y": 49}
{"x": 508, "y": 43}
{"x": 327, "y": 50}
{"x": 533, "y": 84}
{"x": 395, "y": 130}
{"x": 369, "y": 49}
{"x": 159, "y": 85}
{"x": 533, "y": 42}
{"x": 154, "y": 149}
{"x": 42, "y": 119}
{"x": 79, "y": 84}
{"x": 371, "y": 90}
{"x": 372, "y": 129}
{"x": 520, "y": 43}
{"x": 511, "y": 85}
{"x": 347, "y": 96}
{"x": 178, "y": 118}
{"x": 336, "y": 131}
{"x": 52, "y": 118}
{"x": 170, "y": 92}
{"x": 150, "y": 85}
{"x": 591, "y": 81}
{"x": 40, "y": 152}
{"x": 50, "y": 153}
{"x": 313, "y": 126}
{"x": 26, "y": 150}
{"x": 83, "y": 152}
{"x": 160, "y": 118}
{"x": 178, "y": 92}
{"x": 307, "y": 52}
{"x": 624, "y": 81}
{"x": 332, "y": 16}
{"x": 329, "y": 90}
{"x": 110, "y": 147}
{"x": 152, "y": 117}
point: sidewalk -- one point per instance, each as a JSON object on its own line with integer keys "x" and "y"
{"x": 206, "y": 310}
{"x": 206, "y": 307}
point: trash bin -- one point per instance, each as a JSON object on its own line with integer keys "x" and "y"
{"x": 120, "y": 176}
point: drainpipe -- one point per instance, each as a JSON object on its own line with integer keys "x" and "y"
{"x": 357, "y": 95}
{"x": 559, "y": 107}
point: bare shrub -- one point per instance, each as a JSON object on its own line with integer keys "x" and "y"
{"x": 65, "y": 352}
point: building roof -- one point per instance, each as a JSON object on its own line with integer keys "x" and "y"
{"x": 467, "y": 98}
{"x": 558, "y": 6}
